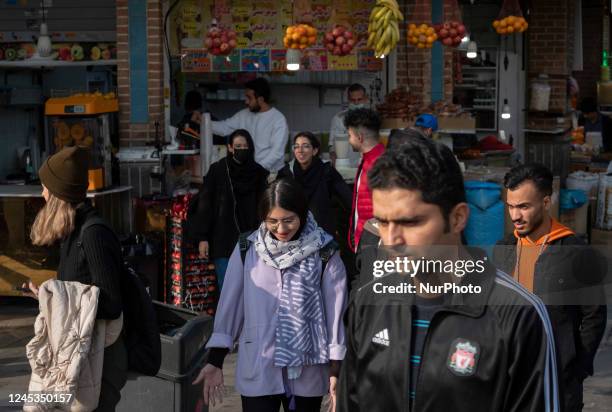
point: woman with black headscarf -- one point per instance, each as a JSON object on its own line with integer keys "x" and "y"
{"x": 227, "y": 204}
{"x": 319, "y": 180}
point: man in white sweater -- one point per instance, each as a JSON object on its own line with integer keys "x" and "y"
{"x": 267, "y": 125}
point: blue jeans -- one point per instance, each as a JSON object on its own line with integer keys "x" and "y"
{"x": 221, "y": 267}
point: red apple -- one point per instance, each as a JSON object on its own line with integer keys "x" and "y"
{"x": 338, "y": 31}
{"x": 231, "y": 34}
{"x": 346, "y": 49}
{"x": 329, "y": 37}
{"x": 351, "y": 42}
{"x": 232, "y": 43}
{"x": 461, "y": 29}
{"x": 215, "y": 51}
{"x": 224, "y": 47}
{"x": 453, "y": 32}
{"x": 348, "y": 35}
{"x": 447, "y": 26}
{"x": 447, "y": 41}
{"x": 216, "y": 42}
{"x": 340, "y": 41}
{"x": 337, "y": 51}
{"x": 224, "y": 38}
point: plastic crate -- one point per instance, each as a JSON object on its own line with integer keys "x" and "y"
{"x": 183, "y": 336}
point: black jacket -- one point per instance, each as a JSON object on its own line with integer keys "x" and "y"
{"x": 215, "y": 216}
{"x": 98, "y": 261}
{"x": 506, "y": 324}
{"x": 566, "y": 273}
{"x": 320, "y": 201}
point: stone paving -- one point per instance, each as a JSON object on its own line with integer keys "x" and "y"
{"x": 16, "y": 330}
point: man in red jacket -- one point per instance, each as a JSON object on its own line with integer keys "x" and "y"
{"x": 363, "y": 126}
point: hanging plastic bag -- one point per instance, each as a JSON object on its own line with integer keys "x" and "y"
{"x": 340, "y": 39}
{"x": 421, "y": 34}
{"x": 220, "y": 41}
{"x": 510, "y": 19}
{"x": 451, "y": 30}
{"x": 301, "y": 34}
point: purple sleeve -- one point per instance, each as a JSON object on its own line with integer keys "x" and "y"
{"x": 230, "y": 311}
{"x": 334, "y": 299}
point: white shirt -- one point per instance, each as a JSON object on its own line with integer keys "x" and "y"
{"x": 269, "y": 130}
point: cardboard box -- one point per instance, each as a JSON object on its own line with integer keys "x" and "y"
{"x": 396, "y": 123}
{"x": 457, "y": 123}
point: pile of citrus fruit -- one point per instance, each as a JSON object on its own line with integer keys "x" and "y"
{"x": 300, "y": 36}
{"x": 422, "y": 36}
{"x": 510, "y": 25}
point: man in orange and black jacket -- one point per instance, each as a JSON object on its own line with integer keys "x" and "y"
{"x": 549, "y": 260}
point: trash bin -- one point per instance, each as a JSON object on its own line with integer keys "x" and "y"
{"x": 183, "y": 336}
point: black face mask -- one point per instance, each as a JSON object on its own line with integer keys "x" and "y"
{"x": 241, "y": 155}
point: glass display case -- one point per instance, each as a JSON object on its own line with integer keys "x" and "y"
{"x": 84, "y": 119}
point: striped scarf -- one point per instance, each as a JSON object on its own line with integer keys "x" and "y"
{"x": 301, "y": 333}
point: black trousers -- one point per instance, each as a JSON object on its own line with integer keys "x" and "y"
{"x": 114, "y": 375}
{"x": 272, "y": 403}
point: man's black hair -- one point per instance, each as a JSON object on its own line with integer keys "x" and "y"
{"x": 421, "y": 164}
{"x": 287, "y": 194}
{"x": 356, "y": 87}
{"x": 588, "y": 105}
{"x": 540, "y": 175}
{"x": 260, "y": 87}
{"x": 399, "y": 136}
{"x": 193, "y": 101}
{"x": 363, "y": 118}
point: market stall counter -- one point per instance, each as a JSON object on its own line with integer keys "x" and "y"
{"x": 19, "y": 205}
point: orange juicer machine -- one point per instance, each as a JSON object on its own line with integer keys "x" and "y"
{"x": 84, "y": 119}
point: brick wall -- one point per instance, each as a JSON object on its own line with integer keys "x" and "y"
{"x": 413, "y": 64}
{"x": 134, "y": 134}
{"x": 550, "y": 45}
{"x": 592, "y": 27}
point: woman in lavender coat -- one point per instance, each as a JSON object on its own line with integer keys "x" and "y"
{"x": 285, "y": 315}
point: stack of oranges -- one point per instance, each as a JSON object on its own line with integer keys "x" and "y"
{"x": 422, "y": 36}
{"x": 300, "y": 36}
{"x": 510, "y": 25}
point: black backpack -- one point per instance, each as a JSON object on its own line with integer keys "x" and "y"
{"x": 326, "y": 252}
{"x": 140, "y": 327}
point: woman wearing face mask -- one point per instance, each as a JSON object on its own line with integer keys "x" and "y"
{"x": 320, "y": 181}
{"x": 228, "y": 201}
{"x": 284, "y": 307}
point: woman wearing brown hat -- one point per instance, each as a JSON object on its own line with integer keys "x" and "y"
{"x": 95, "y": 259}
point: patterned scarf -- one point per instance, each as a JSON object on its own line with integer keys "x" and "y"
{"x": 301, "y": 333}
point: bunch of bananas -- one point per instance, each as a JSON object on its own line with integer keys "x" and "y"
{"x": 383, "y": 30}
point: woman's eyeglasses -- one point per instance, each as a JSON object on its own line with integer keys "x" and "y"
{"x": 290, "y": 223}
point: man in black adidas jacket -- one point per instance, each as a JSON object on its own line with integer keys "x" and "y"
{"x": 561, "y": 269}
{"x": 427, "y": 351}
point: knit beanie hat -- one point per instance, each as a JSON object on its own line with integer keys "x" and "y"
{"x": 65, "y": 174}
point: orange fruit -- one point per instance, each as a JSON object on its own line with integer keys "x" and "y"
{"x": 430, "y": 39}
{"x": 290, "y": 30}
{"x": 430, "y": 31}
{"x": 312, "y": 31}
{"x": 503, "y": 23}
{"x": 312, "y": 40}
{"x": 496, "y": 23}
{"x": 423, "y": 26}
{"x": 295, "y": 36}
{"x": 510, "y": 29}
{"x": 304, "y": 40}
{"x": 302, "y": 46}
{"x": 421, "y": 46}
{"x": 412, "y": 26}
{"x": 503, "y": 31}
{"x": 517, "y": 25}
{"x": 510, "y": 20}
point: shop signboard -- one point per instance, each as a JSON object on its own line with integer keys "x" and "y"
{"x": 255, "y": 60}
{"x": 368, "y": 62}
{"x": 315, "y": 60}
{"x": 348, "y": 62}
{"x": 278, "y": 60}
{"x": 195, "y": 61}
{"x": 229, "y": 63}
